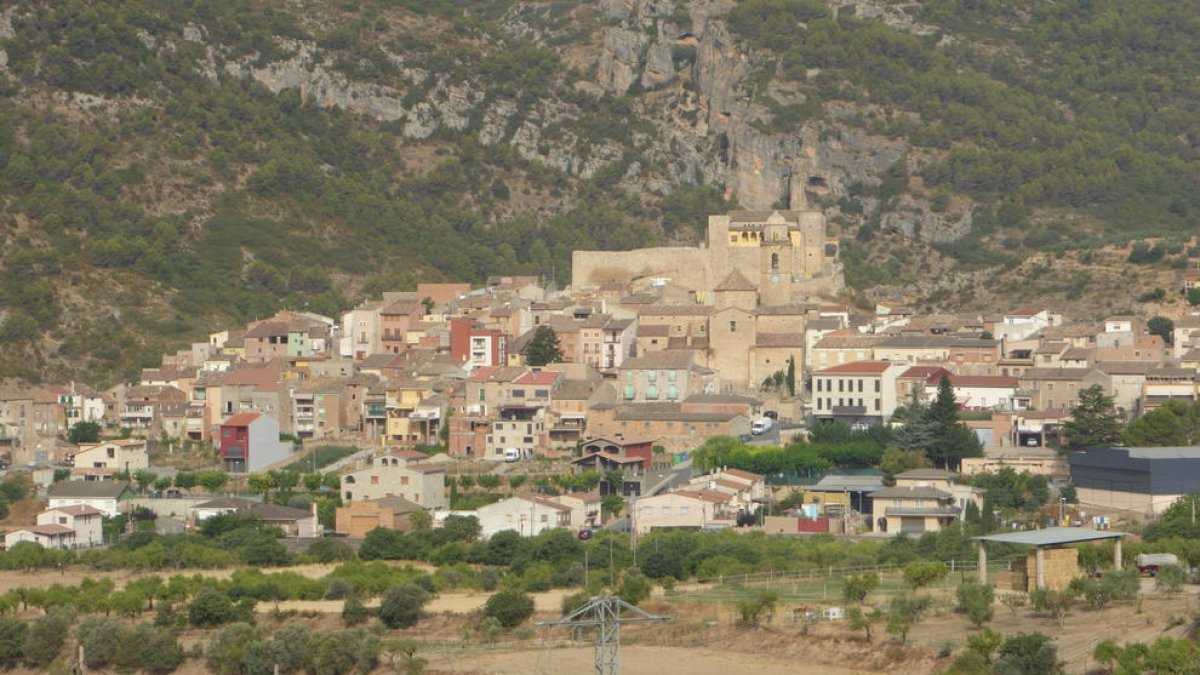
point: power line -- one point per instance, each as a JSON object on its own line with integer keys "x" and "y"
{"x": 603, "y": 612}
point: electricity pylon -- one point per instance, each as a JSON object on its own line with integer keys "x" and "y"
{"x": 603, "y": 612}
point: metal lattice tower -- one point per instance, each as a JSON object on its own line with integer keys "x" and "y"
{"x": 603, "y": 612}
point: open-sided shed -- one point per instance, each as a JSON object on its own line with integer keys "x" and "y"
{"x": 1049, "y": 539}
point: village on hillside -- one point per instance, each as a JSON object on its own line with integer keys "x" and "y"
{"x": 627, "y": 371}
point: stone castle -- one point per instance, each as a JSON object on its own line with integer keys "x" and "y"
{"x": 786, "y": 255}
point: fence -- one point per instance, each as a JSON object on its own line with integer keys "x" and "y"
{"x": 823, "y": 585}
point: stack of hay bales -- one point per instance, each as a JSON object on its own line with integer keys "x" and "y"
{"x": 1060, "y": 567}
{"x": 1021, "y": 568}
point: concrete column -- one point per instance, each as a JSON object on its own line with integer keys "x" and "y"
{"x": 1041, "y": 567}
{"x": 1117, "y": 555}
{"x": 982, "y": 562}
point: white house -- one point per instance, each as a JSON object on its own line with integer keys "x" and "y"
{"x": 527, "y": 515}
{"x": 104, "y": 496}
{"x": 857, "y": 392}
{"x": 977, "y": 392}
{"x": 689, "y": 510}
{"x": 121, "y": 455}
{"x": 46, "y": 536}
{"x": 1019, "y": 324}
{"x": 746, "y": 490}
{"x": 293, "y": 522}
{"x": 398, "y": 474}
{"x": 585, "y": 508}
{"x": 86, "y": 525}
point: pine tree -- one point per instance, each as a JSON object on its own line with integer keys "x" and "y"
{"x": 543, "y": 348}
{"x": 952, "y": 440}
{"x": 791, "y": 376}
{"x": 1094, "y": 422}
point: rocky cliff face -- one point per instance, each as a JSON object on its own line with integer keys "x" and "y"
{"x": 686, "y": 75}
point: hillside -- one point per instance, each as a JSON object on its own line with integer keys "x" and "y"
{"x": 171, "y": 166}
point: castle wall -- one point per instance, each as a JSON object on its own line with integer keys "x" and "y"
{"x": 683, "y": 265}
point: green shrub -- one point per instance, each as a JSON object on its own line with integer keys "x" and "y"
{"x": 510, "y": 607}
{"x": 354, "y": 611}
{"x": 211, "y": 608}
{"x": 401, "y": 606}
{"x": 46, "y": 637}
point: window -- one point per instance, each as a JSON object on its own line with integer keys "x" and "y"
{"x": 374, "y": 480}
{"x": 860, "y": 385}
{"x": 542, "y": 393}
{"x": 652, "y": 391}
{"x": 819, "y": 383}
{"x": 683, "y": 510}
{"x": 629, "y": 392}
{"x": 652, "y": 376}
{"x": 841, "y": 386}
{"x": 774, "y": 261}
{"x": 518, "y": 393}
{"x": 666, "y": 510}
{"x": 732, "y": 326}
{"x": 671, "y": 375}
{"x": 876, "y": 405}
{"x": 876, "y": 386}
{"x": 672, "y": 392}
{"x": 404, "y": 480}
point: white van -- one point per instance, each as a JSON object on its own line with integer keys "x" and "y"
{"x": 761, "y": 425}
{"x": 512, "y": 455}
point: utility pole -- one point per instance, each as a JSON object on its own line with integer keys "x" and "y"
{"x": 603, "y": 612}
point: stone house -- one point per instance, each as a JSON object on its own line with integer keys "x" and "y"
{"x": 398, "y": 475}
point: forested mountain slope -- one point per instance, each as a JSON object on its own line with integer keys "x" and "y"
{"x": 171, "y": 166}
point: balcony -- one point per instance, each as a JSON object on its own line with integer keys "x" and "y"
{"x": 849, "y": 410}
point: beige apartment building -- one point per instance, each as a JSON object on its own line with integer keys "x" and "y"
{"x": 398, "y": 474}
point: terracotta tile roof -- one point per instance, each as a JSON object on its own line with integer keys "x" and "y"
{"x": 675, "y": 310}
{"x": 983, "y": 381}
{"x": 241, "y": 419}
{"x": 79, "y": 510}
{"x": 857, "y": 368}
{"x": 426, "y": 468}
{"x": 538, "y": 377}
{"x": 925, "y": 373}
{"x": 49, "y": 530}
{"x": 748, "y": 475}
{"x": 257, "y": 377}
{"x": 735, "y": 282}
{"x": 1025, "y": 311}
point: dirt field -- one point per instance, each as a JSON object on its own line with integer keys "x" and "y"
{"x": 704, "y": 637}
{"x": 634, "y": 659}
{"x": 71, "y": 576}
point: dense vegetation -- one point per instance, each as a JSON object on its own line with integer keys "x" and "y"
{"x": 233, "y": 202}
{"x": 1081, "y": 104}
